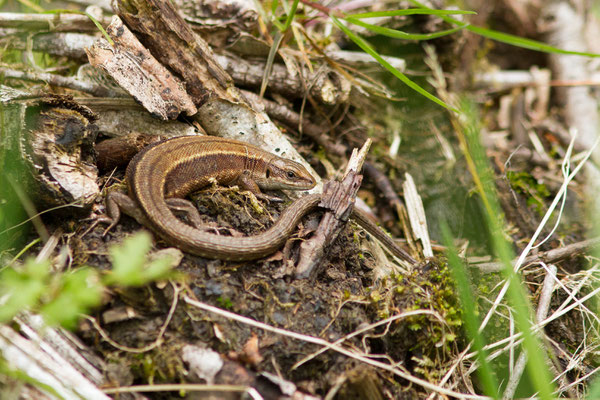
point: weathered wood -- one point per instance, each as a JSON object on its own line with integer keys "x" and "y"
{"x": 135, "y": 69}
{"x": 338, "y": 199}
{"x": 168, "y": 37}
{"x": 52, "y": 138}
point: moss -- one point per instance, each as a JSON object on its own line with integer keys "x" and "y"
{"x": 423, "y": 340}
{"x": 523, "y": 182}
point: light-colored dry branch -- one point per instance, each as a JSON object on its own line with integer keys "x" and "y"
{"x": 416, "y": 214}
{"x": 62, "y": 44}
{"x": 58, "y": 80}
{"x": 550, "y": 256}
{"x": 41, "y": 362}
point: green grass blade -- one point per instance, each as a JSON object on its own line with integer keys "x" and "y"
{"x": 410, "y": 11}
{"x": 536, "y": 365}
{"x": 396, "y": 34}
{"x": 486, "y": 374}
{"x": 521, "y": 42}
{"x": 270, "y": 60}
{"x": 290, "y": 16}
{"x": 366, "y": 47}
{"x": 511, "y": 39}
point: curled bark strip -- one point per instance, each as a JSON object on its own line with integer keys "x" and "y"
{"x": 220, "y": 22}
{"x": 58, "y": 151}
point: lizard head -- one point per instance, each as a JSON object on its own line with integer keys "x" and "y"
{"x": 281, "y": 173}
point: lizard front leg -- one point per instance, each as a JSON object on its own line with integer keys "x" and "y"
{"x": 246, "y": 182}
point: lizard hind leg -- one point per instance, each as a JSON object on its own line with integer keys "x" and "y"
{"x": 187, "y": 208}
{"x": 117, "y": 202}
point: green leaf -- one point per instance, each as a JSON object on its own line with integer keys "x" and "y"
{"x": 594, "y": 389}
{"x": 79, "y": 291}
{"x": 396, "y": 34}
{"x": 21, "y": 289}
{"x": 158, "y": 269}
{"x": 366, "y": 47}
{"x": 128, "y": 259}
{"x": 410, "y": 11}
{"x": 130, "y": 265}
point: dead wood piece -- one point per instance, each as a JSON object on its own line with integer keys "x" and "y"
{"x": 416, "y": 214}
{"x": 550, "y": 256}
{"x": 242, "y": 13}
{"x": 117, "y": 152}
{"x": 53, "y": 137}
{"x": 138, "y": 72}
{"x": 169, "y": 38}
{"x": 324, "y": 85}
{"x": 338, "y": 199}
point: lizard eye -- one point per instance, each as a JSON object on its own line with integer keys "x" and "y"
{"x": 291, "y": 174}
